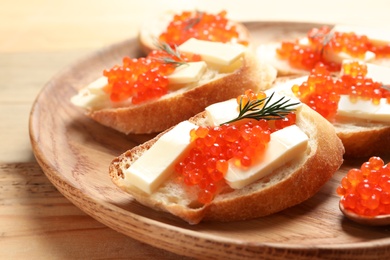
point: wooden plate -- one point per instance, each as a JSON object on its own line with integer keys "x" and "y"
{"x": 74, "y": 152}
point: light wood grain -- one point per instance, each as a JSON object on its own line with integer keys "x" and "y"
{"x": 37, "y": 222}
{"x": 74, "y": 152}
{"x": 22, "y": 76}
{"x": 37, "y": 39}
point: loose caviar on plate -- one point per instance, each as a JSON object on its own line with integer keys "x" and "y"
{"x": 145, "y": 78}
{"x": 322, "y": 92}
{"x": 202, "y": 26}
{"x": 241, "y": 143}
{"x": 366, "y": 191}
{"x": 322, "y": 40}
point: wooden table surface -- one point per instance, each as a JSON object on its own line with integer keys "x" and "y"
{"x": 38, "y": 39}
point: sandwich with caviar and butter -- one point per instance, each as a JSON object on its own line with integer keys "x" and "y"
{"x": 174, "y": 28}
{"x": 356, "y": 102}
{"x": 243, "y": 158}
{"x": 150, "y": 94}
{"x": 328, "y": 45}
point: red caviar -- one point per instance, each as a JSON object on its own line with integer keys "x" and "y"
{"x": 200, "y": 25}
{"x": 322, "y": 93}
{"x": 366, "y": 191}
{"x": 322, "y": 40}
{"x": 214, "y": 147}
{"x": 142, "y": 79}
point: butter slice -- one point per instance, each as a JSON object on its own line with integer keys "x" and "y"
{"x": 284, "y": 146}
{"x": 96, "y": 87}
{"x": 378, "y": 73}
{"x": 364, "y": 109}
{"x": 188, "y": 73}
{"x": 225, "y": 111}
{"x": 221, "y": 112}
{"x": 338, "y": 57}
{"x": 156, "y": 164}
{"x": 285, "y": 88}
{"x": 92, "y": 96}
{"x": 216, "y": 53}
{"x": 378, "y": 36}
{"x": 375, "y": 72}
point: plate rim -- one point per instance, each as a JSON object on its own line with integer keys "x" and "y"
{"x": 49, "y": 170}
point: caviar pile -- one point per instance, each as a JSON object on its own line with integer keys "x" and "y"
{"x": 366, "y": 191}
{"x": 213, "y": 147}
{"x": 199, "y": 25}
{"x": 144, "y": 78}
{"x": 355, "y": 84}
{"x": 322, "y": 93}
{"x": 322, "y": 40}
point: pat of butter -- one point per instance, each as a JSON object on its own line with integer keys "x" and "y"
{"x": 217, "y": 53}
{"x": 375, "y": 72}
{"x": 364, "y": 109}
{"x": 221, "y": 112}
{"x": 378, "y": 73}
{"x": 225, "y": 111}
{"x": 378, "y": 36}
{"x": 188, "y": 73}
{"x": 338, "y": 57}
{"x": 285, "y": 88}
{"x": 96, "y": 87}
{"x": 283, "y": 147}
{"x": 150, "y": 170}
{"x": 92, "y": 96}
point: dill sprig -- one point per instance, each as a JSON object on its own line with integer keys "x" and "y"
{"x": 254, "y": 109}
{"x": 386, "y": 87}
{"x": 169, "y": 60}
{"x": 168, "y": 49}
{"x": 193, "y": 21}
{"x": 326, "y": 38}
{"x": 172, "y": 52}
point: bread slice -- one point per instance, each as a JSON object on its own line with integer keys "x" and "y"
{"x": 151, "y": 29}
{"x": 360, "y": 137}
{"x": 159, "y": 114}
{"x": 285, "y": 187}
{"x": 363, "y": 138}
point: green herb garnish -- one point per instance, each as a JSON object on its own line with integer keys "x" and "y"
{"x": 326, "y": 38}
{"x": 387, "y": 87}
{"x": 194, "y": 20}
{"x": 253, "y": 109}
{"x": 170, "y": 51}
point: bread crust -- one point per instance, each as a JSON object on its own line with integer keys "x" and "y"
{"x": 160, "y": 114}
{"x": 366, "y": 140}
{"x": 287, "y": 186}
